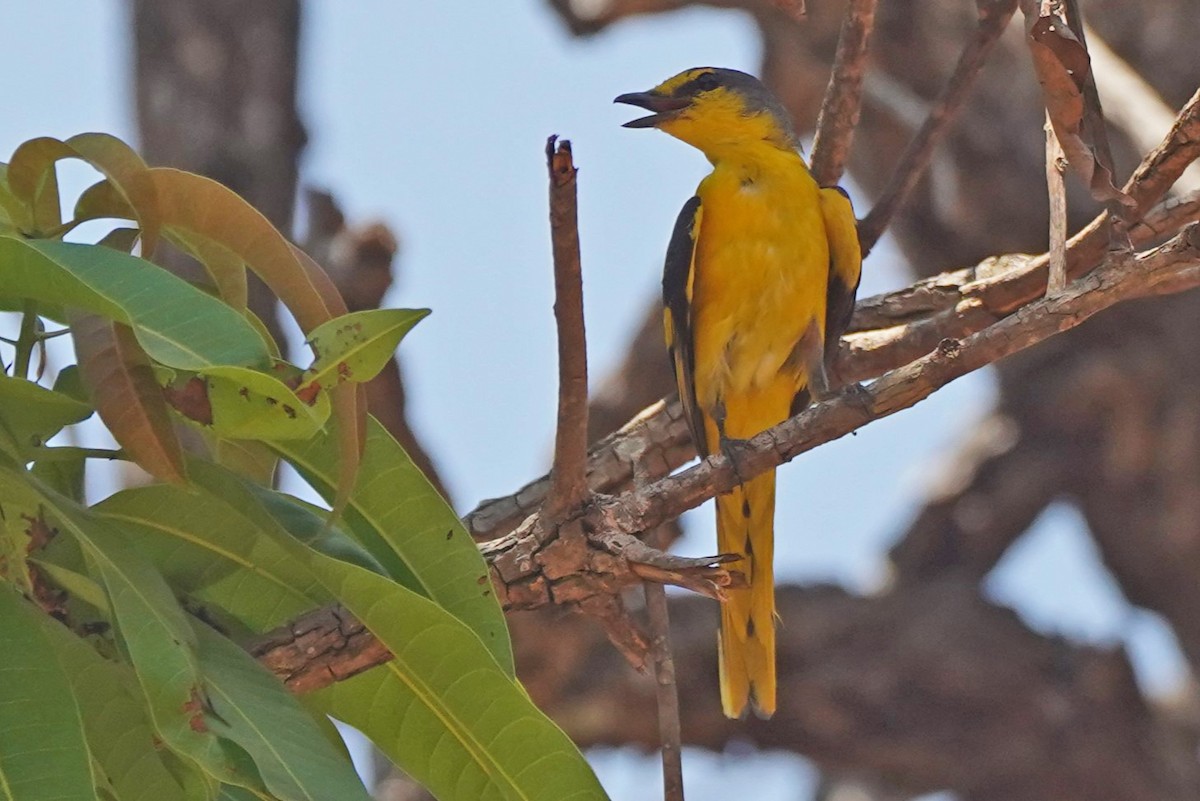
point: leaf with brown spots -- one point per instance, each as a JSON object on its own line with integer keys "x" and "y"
{"x": 355, "y": 347}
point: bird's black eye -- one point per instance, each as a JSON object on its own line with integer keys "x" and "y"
{"x": 707, "y": 82}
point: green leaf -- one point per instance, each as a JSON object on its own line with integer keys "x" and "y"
{"x": 399, "y": 517}
{"x": 231, "y": 793}
{"x": 443, "y": 708}
{"x": 102, "y": 201}
{"x": 356, "y": 346}
{"x": 248, "y": 404}
{"x": 32, "y": 179}
{"x": 43, "y": 754}
{"x": 126, "y": 395}
{"x": 214, "y": 553}
{"x": 177, "y": 324}
{"x": 23, "y": 532}
{"x": 64, "y": 475}
{"x": 13, "y": 214}
{"x": 33, "y": 414}
{"x": 224, "y": 267}
{"x": 78, "y": 586}
{"x": 115, "y": 720}
{"x": 197, "y": 207}
{"x": 252, "y": 708}
{"x": 153, "y": 628}
{"x": 253, "y": 460}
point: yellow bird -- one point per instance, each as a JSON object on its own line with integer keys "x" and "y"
{"x": 760, "y": 273}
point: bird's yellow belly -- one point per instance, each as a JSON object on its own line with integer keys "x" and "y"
{"x": 759, "y": 287}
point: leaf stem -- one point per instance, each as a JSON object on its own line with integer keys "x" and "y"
{"x": 26, "y": 340}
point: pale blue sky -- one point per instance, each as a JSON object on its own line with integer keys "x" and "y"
{"x": 433, "y": 117}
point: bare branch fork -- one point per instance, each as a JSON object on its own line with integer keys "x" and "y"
{"x": 893, "y": 329}
{"x": 569, "y": 490}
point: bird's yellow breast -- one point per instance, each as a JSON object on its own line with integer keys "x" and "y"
{"x": 760, "y": 274}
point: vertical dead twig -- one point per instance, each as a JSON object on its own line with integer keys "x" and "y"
{"x": 666, "y": 691}
{"x": 568, "y": 478}
{"x": 568, "y": 483}
{"x": 993, "y": 19}
{"x": 1056, "y": 188}
{"x": 843, "y": 97}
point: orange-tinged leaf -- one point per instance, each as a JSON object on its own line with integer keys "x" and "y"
{"x": 101, "y": 201}
{"x": 122, "y": 239}
{"x": 197, "y": 206}
{"x": 224, "y": 267}
{"x": 349, "y": 402}
{"x": 120, "y": 381}
{"x": 32, "y": 179}
{"x": 12, "y": 211}
{"x": 129, "y": 174}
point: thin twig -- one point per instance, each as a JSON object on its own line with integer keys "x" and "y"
{"x": 1167, "y": 217}
{"x": 993, "y": 19}
{"x": 842, "y": 103}
{"x": 569, "y": 477}
{"x": 1159, "y": 171}
{"x": 1057, "y": 190}
{"x": 666, "y": 691}
{"x": 1133, "y": 106}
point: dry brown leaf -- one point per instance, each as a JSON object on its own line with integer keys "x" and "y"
{"x": 1063, "y": 69}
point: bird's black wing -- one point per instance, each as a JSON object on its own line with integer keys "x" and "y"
{"x": 845, "y": 267}
{"x": 677, "y": 314}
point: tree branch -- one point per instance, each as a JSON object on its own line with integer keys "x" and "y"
{"x": 589, "y": 558}
{"x": 568, "y": 488}
{"x": 957, "y": 304}
{"x": 842, "y": 103}
{"x": 993, "y": 19}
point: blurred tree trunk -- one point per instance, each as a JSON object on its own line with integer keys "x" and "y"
{"x": 216, "y": 94}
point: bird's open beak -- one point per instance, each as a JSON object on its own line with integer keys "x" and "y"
{"x": 664, "y": 107}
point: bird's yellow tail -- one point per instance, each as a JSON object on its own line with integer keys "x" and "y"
{"x": 745, "y": 523}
